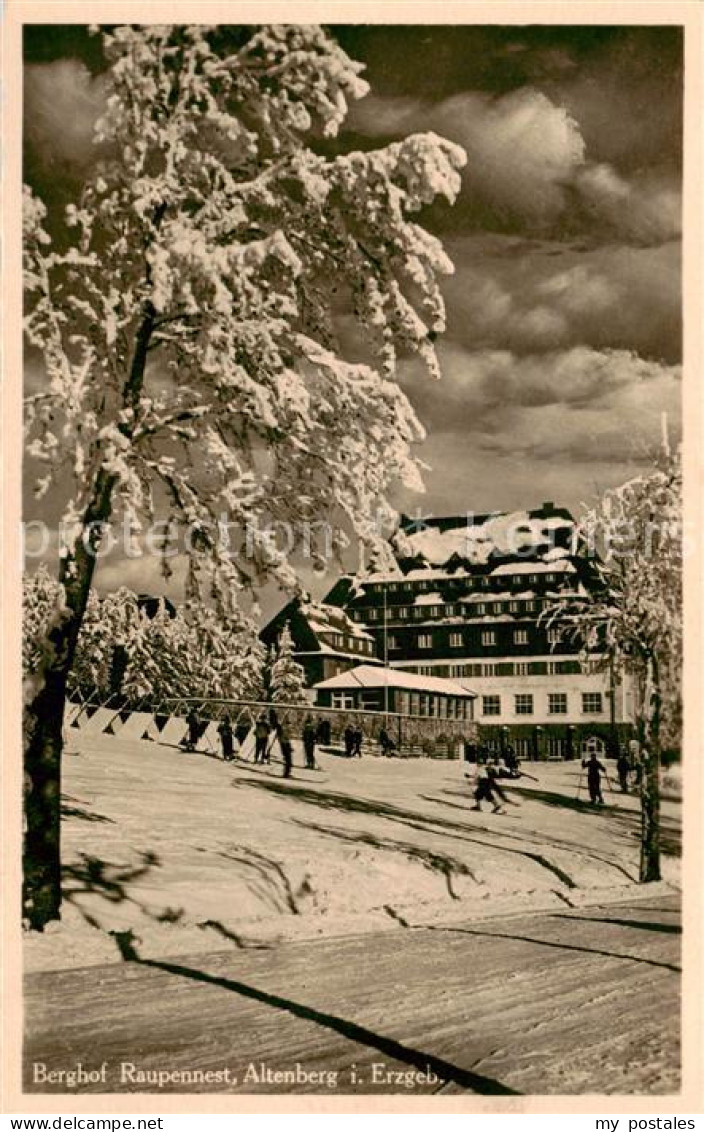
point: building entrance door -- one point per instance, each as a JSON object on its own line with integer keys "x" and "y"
{"x": 557, "y": 747}
{"x": 593, "y": 745}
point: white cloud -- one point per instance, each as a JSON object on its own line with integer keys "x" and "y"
{"x": 522, "y": 149}
{"x": 62, "y": 104}
{"x": 528, "y": 159}
{"x": 535, "y": 299}
{"x": 647, "y": 210}
{"x": 576, "y": 376}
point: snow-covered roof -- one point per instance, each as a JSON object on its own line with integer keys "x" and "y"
{"x": 422, "y": 574}
{"x": 554, "y": 553}
{"x": 489, "y": 596}
{"x": 508, "y": 568}
{"x": 503, "y": 533}
{"x": 369, "y": 676}
{"x": 328, "y": 650}
{"x": 428, "y": 599}
{"x": 331, "y": 619}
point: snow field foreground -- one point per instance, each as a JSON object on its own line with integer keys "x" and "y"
{"x": 175, "y": 852}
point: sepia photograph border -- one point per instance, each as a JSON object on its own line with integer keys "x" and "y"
{"x": 17, "y": 14}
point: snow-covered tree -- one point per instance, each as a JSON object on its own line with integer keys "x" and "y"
{"x": 110, "y": 626}
{"x": 194, "y": 654}
{"x": 287, "y": 681}
{"x": 41, "y": 604}
{"x": 162, "y": 655}
{"x": 189, "y": 328}
{"x": 631, "y": 621}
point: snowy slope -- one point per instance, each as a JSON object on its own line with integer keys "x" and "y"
{"x": 182, "y": 848}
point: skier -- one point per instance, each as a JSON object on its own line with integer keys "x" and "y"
{"x": 357, "y": 745}
{"x": 349, "y": 741}
{"x": 193, "y": 722}
{"x": 286, "y": 749}
{"x": 309, "y": 736}
{"x": 623, "y": 768}
{"x": 594, "y": 769}
{"x": 487, "y": 789}
{"x": 323, "y": 733}
{"x": 511, "y": 762}
{"x": 225, "y": 730}
{"x": 470, "y": 752}
{"x": 387, "y": 743}
{"x": 261, "y": 736}
{"x": 483, "y": 753}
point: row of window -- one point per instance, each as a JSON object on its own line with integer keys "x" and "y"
{"x": 407, "y": 703}
{"x": 423, "y": 612}
{"x": 592, "y": 703}
{"x": 500, "y": 668}
{"x": 482, "y": 581}
{"x": 349, "y": 644}
{"x": 459, "y": 640}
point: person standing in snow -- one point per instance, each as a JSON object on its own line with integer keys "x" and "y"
{"x": 286, "y": 749}
{"x": 594, "y": 769}
{"x": 193, "y": 730}
{"x": 357, "y": 745}
{"x": 261, "y": 737}
{"x": 511, "y": 762}
{"x": 623, "y": 768}
{"x": 386, "y": 742}
{"x": 309, "y": 735}
{"x": 470, "y": 752}
{"x": 225, "y": 730}
{"x": 349, "y": 741}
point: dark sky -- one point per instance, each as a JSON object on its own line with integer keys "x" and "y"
{"x": 563, "y": 342}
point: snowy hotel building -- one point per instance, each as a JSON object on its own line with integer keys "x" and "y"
{"x": 464, "y": 603}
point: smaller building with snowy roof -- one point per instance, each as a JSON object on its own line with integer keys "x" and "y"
{"x": 370, "y": 687}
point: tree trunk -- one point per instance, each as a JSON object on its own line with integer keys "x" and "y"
{"x": 650, "y": 781}
{"x": 42, "y": 856}
{"x": 44, "y": 716}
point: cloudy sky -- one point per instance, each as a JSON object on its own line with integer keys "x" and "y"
{"x": 564, "y": 331}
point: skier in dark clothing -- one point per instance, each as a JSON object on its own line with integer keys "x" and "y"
{"x": 225, "y": 730}
{"x": 470, "y": 752}
{"x": 623, "y": 768}
{"x": 483, "y": 753}
{"x": 349, "y": 741}
{"x": 386, "y": 742}
{"x": 488, "y": 790}
{"x": 594, "y": 769}
{"x": 286, "y": 749}
{"x": 357, "y": 745}
{"x": 193, "y": 731}
{"x": 261, "y": 739}
{"x": 511, "y": 762}
{"x": 309, "y": 736}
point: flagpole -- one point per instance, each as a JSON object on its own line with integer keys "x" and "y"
{"x": 386, "y": 659}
